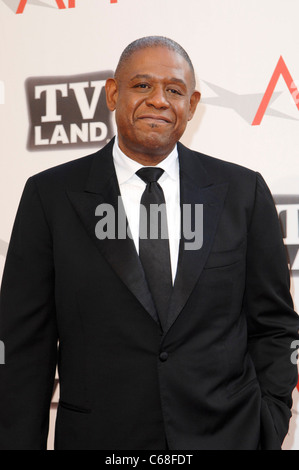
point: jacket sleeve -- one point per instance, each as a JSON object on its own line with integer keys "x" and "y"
{"x": 272, "y": 322}
{"x": 27, "y": 329}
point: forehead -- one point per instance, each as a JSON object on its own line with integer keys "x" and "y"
{"x": 158, "y": 62}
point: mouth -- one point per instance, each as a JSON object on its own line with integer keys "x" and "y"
{"x": 154, "y": 120}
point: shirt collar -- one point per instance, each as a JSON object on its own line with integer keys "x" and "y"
{"x": 126, "y": 167}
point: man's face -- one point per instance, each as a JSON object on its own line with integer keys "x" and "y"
{"x": 154, "y": 98}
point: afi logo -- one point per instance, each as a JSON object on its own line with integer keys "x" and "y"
{"x": 280, "y": 70}
{"x": 60, "y": 4}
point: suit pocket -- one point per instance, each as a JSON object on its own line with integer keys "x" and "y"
{"x": 223, "y": 259}
{"x": 72, "y": 407}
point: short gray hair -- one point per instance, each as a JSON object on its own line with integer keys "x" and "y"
{"x": 154, "y": 41}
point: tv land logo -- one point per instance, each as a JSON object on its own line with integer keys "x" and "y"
{"x": 253, "y": 107}
{"x": 288, "y": 212}
{"x": 68, "y": 112}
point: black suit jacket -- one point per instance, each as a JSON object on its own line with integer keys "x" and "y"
{"x": 219, "y": 376}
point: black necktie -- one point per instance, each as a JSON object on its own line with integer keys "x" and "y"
{"x": 154, "y": 250}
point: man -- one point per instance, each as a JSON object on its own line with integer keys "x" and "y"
{"x": 203, "y": 363}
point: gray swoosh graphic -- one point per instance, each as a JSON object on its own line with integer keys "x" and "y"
{"x": 245, "y": 105}
{"x": 3, "y": 248}
{"x": 13, "y": 4}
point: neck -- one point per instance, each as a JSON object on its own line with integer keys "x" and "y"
{"x": 145, "y": 158}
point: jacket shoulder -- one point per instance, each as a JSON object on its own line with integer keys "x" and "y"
{"x": 79, "y": 166}
{"x": 223, "y": 167}
{"x": 205, "y": 170}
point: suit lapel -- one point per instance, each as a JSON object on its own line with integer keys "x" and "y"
{"x": 196, "y": 187}
{"x": 102, "y": 188}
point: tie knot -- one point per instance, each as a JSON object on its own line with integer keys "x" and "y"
{"x": 150, "y": 174}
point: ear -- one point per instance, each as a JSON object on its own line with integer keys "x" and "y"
{"x": 111, "y": 93}
{"x": 194, "y": 100}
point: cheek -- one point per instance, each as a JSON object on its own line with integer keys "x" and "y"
{"x": 122, "y": 118}
{"x": 125, "y": 111}
{"x": 182, "y": 116}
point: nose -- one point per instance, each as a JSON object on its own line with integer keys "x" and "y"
{"x": 157, "y": 98}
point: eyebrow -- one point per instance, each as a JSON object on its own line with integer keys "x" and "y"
{"x": 149, "y": 77}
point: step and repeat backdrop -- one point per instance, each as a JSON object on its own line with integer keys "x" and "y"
{"x": 57, "y": 54}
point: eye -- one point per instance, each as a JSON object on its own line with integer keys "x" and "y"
{"x": 143, "y": 86}
{"x": 174, "y": 91}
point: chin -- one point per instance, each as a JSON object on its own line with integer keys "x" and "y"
{"x": 156, "y": 140}
{"x": 158, "y": 147}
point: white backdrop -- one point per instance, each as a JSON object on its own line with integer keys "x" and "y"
{"x": 235, "y": 46}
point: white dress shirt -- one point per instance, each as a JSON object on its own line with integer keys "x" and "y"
{"x": 132, "y": 188}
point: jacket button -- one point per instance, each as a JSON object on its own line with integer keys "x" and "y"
{"x": 163, "y": 356}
